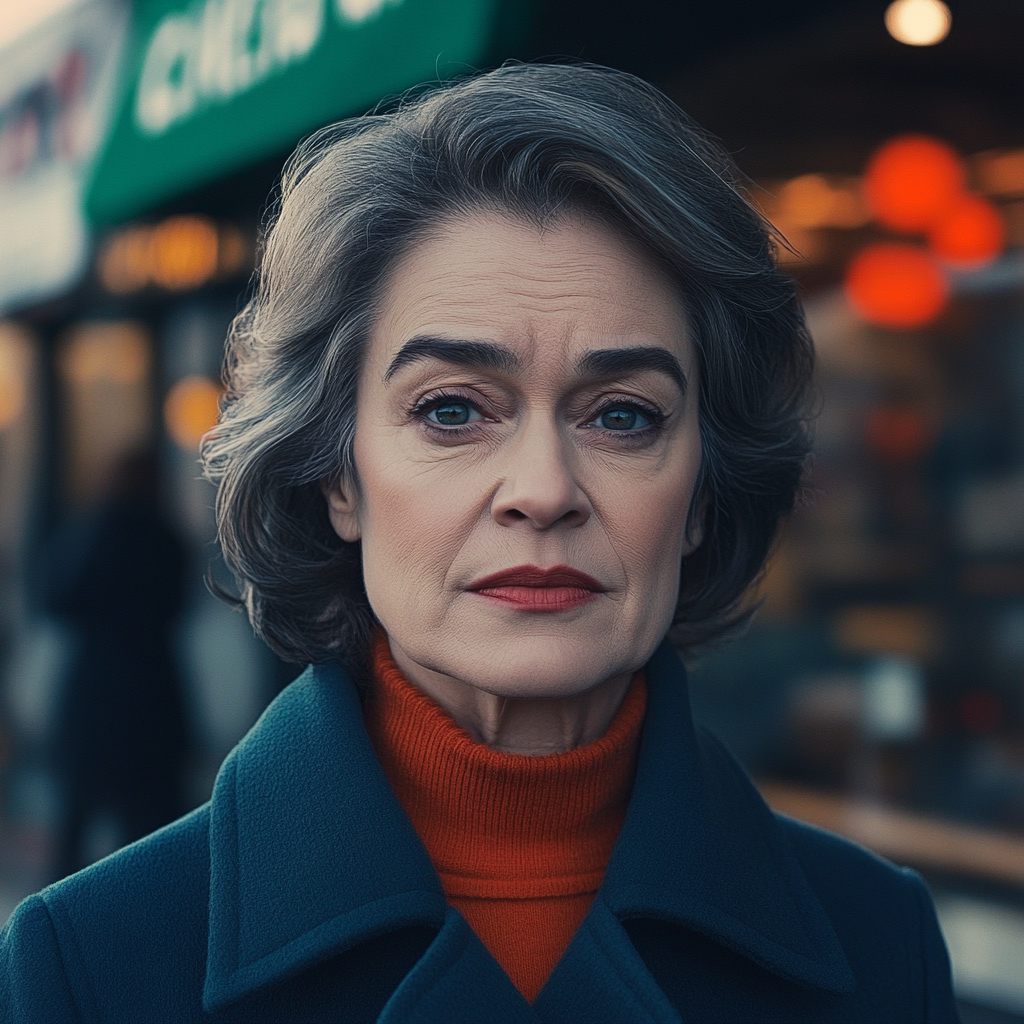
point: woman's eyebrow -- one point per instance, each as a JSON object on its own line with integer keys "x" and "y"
{"x": 481, "y": 355}
{"x": 617, "y": 362}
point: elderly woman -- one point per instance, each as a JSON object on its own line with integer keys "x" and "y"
{"x": 520, "y": 389}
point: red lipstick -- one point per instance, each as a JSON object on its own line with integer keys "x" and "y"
{"x": 528, "y": 588}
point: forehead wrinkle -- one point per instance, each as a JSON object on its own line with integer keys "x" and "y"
{"x": 553, "y": 277}
{"x": 557, "y": 300}
{"x": 451, "y": 291}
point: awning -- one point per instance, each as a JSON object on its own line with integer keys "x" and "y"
{"x": 216, "y": 84}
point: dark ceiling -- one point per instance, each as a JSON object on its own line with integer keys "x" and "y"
{"x": 794, "y": 85}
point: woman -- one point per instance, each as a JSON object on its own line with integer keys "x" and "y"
{"x": 519, "y": 388}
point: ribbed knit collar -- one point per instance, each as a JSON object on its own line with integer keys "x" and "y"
{"x": 503, "y": 825}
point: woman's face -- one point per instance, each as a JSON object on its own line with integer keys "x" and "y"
{"x": 528, "y": 402}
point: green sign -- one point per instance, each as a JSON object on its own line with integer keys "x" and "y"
{"x": 216, "y": 84}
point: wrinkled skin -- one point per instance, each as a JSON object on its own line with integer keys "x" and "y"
{"x": 523, "y": 456}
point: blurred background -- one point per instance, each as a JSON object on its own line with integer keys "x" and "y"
{"x": 880, "y": 691}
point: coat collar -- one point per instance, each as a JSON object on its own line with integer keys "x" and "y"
{"x": 311, "y": 853}
{"x": 700, "y": 848}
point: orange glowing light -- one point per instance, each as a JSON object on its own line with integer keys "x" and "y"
{"x": 123, "y": 264}
{"x": 183, "y": 252}
{"x": 971, "y": 234}
{"x": 15, "y": 356}
{"x": 178, "y": 254}
{"x": 912, "y": 181}
{"x": 12, "y": 401}
{"x": 1001, "y": 172}
{"x": 895, "y": 284}
{"x": 118, "y": 352}
{"x": 191, "y": 409}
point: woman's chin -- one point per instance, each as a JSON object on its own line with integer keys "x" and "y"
{"x": 534, "y": 667}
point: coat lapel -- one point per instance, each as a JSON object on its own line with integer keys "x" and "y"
{"x": 458, "y": 982}
{"x": 699, "y": 848}
{"x": 311, "y": 853}
{"x": 602, "y": 980}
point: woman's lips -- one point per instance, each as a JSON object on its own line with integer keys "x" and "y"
{"x": 539, "y": 590}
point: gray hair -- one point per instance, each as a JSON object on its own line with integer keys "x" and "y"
{"x": 538, "y": 142}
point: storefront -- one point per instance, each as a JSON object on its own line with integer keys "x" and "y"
{"x": 887, "y": 663}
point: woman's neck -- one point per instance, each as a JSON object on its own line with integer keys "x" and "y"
{"x": 520, "y": 725}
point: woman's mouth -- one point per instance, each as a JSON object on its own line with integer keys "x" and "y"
{"x": 529, "y": 588}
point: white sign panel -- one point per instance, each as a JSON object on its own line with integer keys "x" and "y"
{"x": 57, "y": 87}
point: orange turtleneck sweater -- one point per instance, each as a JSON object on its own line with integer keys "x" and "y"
{"x": 521, "y": 843}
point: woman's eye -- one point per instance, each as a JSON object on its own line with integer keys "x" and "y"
{"x": 623, "y": 418}
{"x": 453, "y": 414}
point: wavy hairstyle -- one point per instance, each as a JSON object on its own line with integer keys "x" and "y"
{"x": 538, "y": 142}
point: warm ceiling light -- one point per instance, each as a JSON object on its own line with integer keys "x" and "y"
{"x": 116, "y": 351}
{"x": 191, "y": 409}
{"x": 970, "y": 235}
{"x": 183, "y": 252}
{"x": 807, "y": 200}
{"x": 179, "y": 253}
{"x": 911, "y": 181}
{"x": 123, "y": 263}
{"x": 895, "y": 284}
{"x": 918, "y": 22}
{"x": 14, "y": 362}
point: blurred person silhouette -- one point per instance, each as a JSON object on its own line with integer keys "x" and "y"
{"x": 116, "y": 575}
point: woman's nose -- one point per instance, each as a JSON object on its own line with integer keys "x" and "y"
{"x": 540, "y": 486}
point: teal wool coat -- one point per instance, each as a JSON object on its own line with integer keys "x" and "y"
{"x": 301, "y": 892}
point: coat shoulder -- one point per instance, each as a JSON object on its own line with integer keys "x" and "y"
{"x": 124, "y": 939}
{"x": 883, "y": 914}
{"x": 825, "y": 856}
{"x": 852, "y": 883}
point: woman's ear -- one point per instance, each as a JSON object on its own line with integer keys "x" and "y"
{"x": 342, "y": 508}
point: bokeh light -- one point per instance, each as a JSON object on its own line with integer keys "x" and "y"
{"x": 191, "y": 409}
{"x": 971, "y": 234}
{"x": 177, "y": 254}
{"x": 183, "y": 252}
{"x": 14, "y": 358}
{"x": 123, "y": 264}
{"x": 911, "y": 181}
{"x": 918, "y": 22}
{"x": 12, "y": 399}
{"x": 895, "y": 284}
{"x": 812, "y": 201}
{"x": 1001, "y": 172}
{"x": 101, "y": 350}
